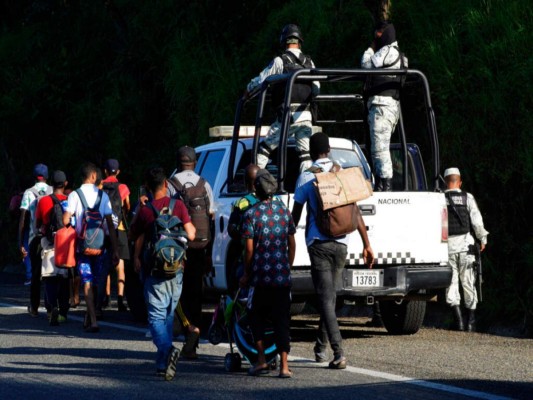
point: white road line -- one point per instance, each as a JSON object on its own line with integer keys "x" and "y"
{"x": 354, "y": 370}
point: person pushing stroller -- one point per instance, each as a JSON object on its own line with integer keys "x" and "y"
{"x": 268, "y": 229}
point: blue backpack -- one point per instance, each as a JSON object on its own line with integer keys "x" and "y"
{"x": 165, "y": 250}
{"x": 91, "y": 238}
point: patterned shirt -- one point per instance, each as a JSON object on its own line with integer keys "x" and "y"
{"x": 269, "y": 223}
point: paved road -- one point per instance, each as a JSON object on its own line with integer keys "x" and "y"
{"x": 39, "y": 361}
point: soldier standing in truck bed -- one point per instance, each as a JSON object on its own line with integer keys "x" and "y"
{"x": 302, "y": 93}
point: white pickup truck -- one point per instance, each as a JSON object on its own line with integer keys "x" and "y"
{"x": 407, "y": 227}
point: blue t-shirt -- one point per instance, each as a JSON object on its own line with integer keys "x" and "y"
{"x": 269, "y": 223}
{"x": 305, "y": 192}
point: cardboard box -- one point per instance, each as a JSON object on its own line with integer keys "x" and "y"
{"x": 343, "y": 187}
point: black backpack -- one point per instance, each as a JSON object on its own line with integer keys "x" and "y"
{"x": 196, "y": 200}
{"x": 165, "y": 249}
{"x": 111, "y": 188}
{"x": 56, "y": 218}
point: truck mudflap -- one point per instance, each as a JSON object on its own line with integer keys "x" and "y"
{"x": 381, "y": 281}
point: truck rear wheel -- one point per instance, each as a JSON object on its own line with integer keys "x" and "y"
{"x": 403, "y": 318}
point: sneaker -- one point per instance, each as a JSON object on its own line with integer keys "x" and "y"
{"x": 32, "y": 312}
{"x": 339, "y": 362}
{"x": 54, "y": 316}
{"x": 62, "y": 319}
{"x": 122, "y": 307}
{"x": 320, "y": 357}
{"x": 27, "y": 282}
{"x": 173, "y": 356}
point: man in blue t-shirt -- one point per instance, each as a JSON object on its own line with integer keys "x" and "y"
{"x": 327, "y": 254}
{"x": 269, "y": 231}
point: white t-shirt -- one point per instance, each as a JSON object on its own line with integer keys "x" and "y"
{"x": 29, "y": 203}
{"x": 90, "y": 191}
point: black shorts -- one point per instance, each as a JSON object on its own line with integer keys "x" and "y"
{"x": 123, "y": 245}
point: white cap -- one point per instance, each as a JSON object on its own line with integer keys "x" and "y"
{"x": 452, "y": 171}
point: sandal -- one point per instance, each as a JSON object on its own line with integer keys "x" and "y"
{"x": 285, "y": 375}
{"x": 259, "y": 370}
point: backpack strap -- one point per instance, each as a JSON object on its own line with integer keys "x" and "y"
{"x": 84, "y": 200}
{"x": 54, "y": 198}
{"x": 171, "y": 206}
{"x": 175, "y": 183}
{"x": 294, "y": 59}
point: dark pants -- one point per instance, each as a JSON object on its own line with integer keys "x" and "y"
{"x": 58, "y": 293}
{"x": 272, "y": 304}
{"x": 327, "y": 262}
{"x": 193, "y": 285}
{"x": 35, "y": 249}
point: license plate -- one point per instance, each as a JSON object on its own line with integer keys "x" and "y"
{"x": 367, "y": 277}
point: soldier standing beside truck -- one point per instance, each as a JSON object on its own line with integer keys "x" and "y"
{"x": 465, "y": 226}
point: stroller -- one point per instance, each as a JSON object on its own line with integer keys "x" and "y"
{"x": 230, "y": 320}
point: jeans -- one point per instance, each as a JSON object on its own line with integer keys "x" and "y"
{"x": 26, "y": 261}
{"x": 162, "y": 296}
{"x": 327, "y": 262}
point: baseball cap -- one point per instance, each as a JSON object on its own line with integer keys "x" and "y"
{"x": 265, "y": 184}
{"x": 186, "y": 155}
{"x": 452, "y": 171}
{"x": 112, "y": 165}
{"x": 40, "y": 170}
{"x": 59, "y": 177}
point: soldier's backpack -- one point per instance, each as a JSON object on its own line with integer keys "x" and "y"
{"x": 196, "y": 200}
{"x": 337, "y": 221}
{"x": 56, "y": 218}
{"x": 165, "y": 249}
{"x": 91, "y": 238}
{"x": 111, "y": 188}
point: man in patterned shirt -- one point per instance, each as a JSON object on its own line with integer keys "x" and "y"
{"x": 269, "y": 253}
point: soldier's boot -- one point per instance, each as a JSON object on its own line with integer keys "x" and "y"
{"x": 459, "y": 324}
{"x": 378, "y": 185}
{"x": 387, "y": 184}
{"x": 471, "y": 324}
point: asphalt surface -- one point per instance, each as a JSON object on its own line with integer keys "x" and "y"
{"x": 38, "y": 362}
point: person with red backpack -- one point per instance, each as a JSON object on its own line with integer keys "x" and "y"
{"x": 93, "y": 221}
{"x": 48, "y": 219}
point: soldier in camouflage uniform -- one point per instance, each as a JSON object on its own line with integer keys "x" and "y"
{"x": 301, "y": 118}
{"x": 382, "y": 94}
{"x": 464, "y": 222}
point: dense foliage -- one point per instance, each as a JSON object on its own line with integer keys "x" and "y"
{"x": 86, "y": 80}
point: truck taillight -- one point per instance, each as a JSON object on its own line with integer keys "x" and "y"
{"x": 444, "y": 224}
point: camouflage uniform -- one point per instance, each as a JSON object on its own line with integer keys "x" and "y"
{"x": 301, "y": 121}
{"x": 461, "y": 261}
{"x": 383, "y": 111}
